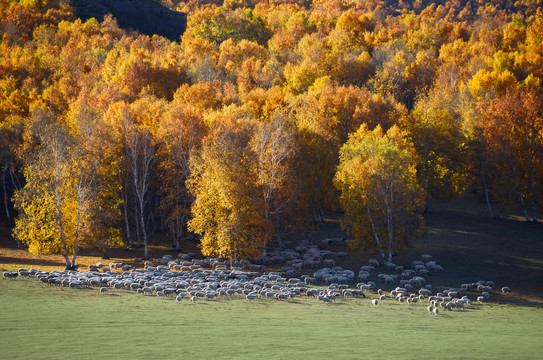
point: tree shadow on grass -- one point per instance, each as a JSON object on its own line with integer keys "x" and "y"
{"x": 30, "y": 261}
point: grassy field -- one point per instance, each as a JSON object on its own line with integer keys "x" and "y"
{"x": 43, "y": 322}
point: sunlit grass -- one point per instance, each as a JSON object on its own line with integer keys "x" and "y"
{"x": 44, "y": 322}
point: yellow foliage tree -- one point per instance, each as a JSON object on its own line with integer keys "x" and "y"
{"x": 379, "y": 190}
{"x": 228, "y": 211}
{"x": 55, "y": 203}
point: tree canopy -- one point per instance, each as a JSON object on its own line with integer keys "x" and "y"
{"x": 379, "y": 189}
{"x": 236, "y": 130}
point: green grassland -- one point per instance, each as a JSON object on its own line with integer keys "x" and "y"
{"x": 46, "y": 322}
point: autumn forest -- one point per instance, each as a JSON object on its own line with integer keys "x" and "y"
{"x": 263, "y": 115}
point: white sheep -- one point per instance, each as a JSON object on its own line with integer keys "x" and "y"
{"x": 436, "y": 311}
{"x": 147, "y": 290}
{"x": 251, "y": 296}
{"x": 374, "y": 301}
{"x": 425, "y": 257}
{"x": 103, "y": 290}
{"x": 506, "y": 289}
{"x": 480, "y": 299}
{"x": 430, "y": 308}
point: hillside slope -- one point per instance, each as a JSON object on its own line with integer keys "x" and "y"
{"x": 146, "y": 16}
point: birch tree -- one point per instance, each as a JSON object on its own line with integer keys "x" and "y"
{"x": 275, "y": 145}
{"x": 139, "y": 159}
{"x": 228, "y": 210}
{"x": 379, "y": 190}
{"x": 54, "y": 204}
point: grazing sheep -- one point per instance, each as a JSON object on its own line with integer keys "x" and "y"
{"x": 10, "y": 275}
{"x": 506, "y": 289}
{"x": 363, "y": 276}
{"x": 480, "y": 299}
{"x": 116, "y": 266}
{"x": 374, "y": 301}
{"x": 24, "y": 272}
{"x": 460, "y": 305}
{"x": 326, "y": 299}
{"x": 160, "y": 294}
{"x": 251, "y": 296}
{"x": 103, "y": 290}
{"x": 389, "y": 279}
{"x": 382, "y": 297}
{"x": 389, "y": 265}
{"x": 373, "y": 262}
{"x": 424, "y": 272}
{"x": 192, "y": 298}
{"x": 485, "y": 294}
{"x": 430, "y": 308}
{"x": 436, "y": 311}
{"x": 147, "y": 290}
{"x": 178, "y": 298}
{"x": 424, "y": 291}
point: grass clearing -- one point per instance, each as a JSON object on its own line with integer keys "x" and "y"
{"x": 43, "y": 322}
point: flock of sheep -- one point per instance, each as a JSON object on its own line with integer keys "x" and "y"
{"x": 210, "y": 278}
